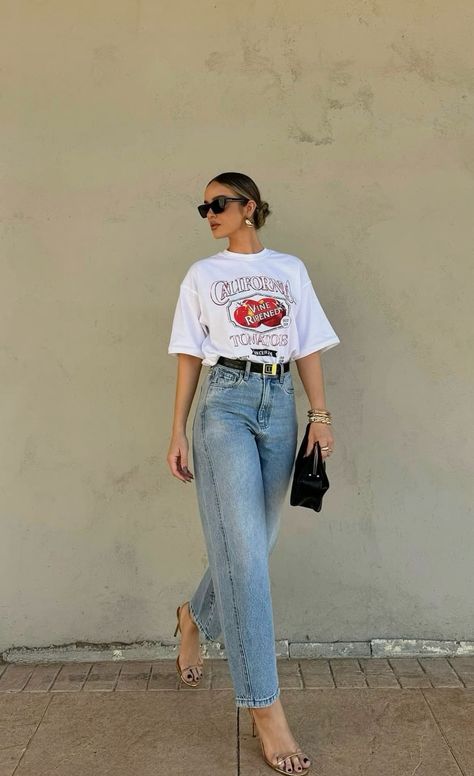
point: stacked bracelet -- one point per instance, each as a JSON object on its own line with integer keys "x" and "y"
{"x": 319, "y": 416}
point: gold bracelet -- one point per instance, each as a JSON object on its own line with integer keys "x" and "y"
{"x": 319, "y": 416}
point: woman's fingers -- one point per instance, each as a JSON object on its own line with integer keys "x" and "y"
{"x": 187, "y": 473}
{"x": 324, "y": 438}
{"x": 173, "y": 461}
{"x": 179, "y": 469}
{"x": 178, "y": 457}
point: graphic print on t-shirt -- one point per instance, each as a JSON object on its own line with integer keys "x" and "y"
{"x": 259, "y": 313}
{"x": 228, "y": 306}
{"x": 256, "y": 305}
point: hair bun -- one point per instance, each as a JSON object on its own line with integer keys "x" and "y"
{"x": 262, "y": 212}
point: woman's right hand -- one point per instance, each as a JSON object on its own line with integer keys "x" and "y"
{"x": 178, "y": 457}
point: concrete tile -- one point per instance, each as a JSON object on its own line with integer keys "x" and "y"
{"x": 102, "y": 677}
{"x": 440, "y": 672}
{"x": 130, "y": 733}
{"x": 289, "y": 677}
{"x": 134, "y": 675}
{"x": 378, "y": 673}
{"x": 71, "y": 677}
{"x": 15, "y": 677}
{"x": 409, "y": 672}
{"x": 43, "y": 677}
{"x": 20, "y": 715}
{"x": 316, "y": 673}
{"x": 358, "y": 732}
{"x": 464, "y": 667}
{"x": 454, "y": 712}
{"x": 347, "y": 673}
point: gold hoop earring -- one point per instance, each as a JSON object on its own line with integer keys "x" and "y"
{"x": 248, "y": 222}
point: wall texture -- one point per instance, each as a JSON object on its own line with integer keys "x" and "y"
{"x": 356, "y": 120}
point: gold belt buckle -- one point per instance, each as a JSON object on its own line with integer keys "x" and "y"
{"x": 270, "y": 369}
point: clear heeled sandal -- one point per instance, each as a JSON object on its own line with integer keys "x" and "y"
{"x": 278, "y": 765}
{"x": 182, "y": 671}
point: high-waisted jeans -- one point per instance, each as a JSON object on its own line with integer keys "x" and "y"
{"x": 244, "y": 446}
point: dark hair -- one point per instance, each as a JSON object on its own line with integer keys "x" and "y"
{"x": 246, "y": 187}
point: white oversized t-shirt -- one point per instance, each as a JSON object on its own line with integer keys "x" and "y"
{"x": 256, "y": 306}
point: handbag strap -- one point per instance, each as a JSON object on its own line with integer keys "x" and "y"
{"x": 316, "y": 457}
{"x": 318, "y": 461}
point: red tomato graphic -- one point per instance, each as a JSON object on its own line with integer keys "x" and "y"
{"x": 254, "y": 312}
{"x": 245, "y": 314}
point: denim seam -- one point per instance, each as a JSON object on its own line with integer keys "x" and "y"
{"x": 265, "y": 406}
{"x": 224, "y": 383}
{"x": 288, "y": 382}
{"x": 211, "y": 612}
{"x": 242, "y": 652}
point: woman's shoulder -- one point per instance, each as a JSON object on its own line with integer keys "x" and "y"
{"x": 198, "y": 269}
{"x": 290, "y": 261}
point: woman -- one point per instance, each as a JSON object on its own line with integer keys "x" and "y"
{"x": 245, "y": 312}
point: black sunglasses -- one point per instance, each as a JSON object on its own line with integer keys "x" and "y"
{"x": 218, "y": 205}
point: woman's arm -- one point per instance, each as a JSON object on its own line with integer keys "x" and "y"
{"x": 311, "y": 374}
{"x": 189, "y": 369}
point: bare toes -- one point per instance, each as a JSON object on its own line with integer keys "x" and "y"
{"x": 296, "y": 765}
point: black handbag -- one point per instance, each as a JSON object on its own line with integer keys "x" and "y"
{"x": 310, "y": 481}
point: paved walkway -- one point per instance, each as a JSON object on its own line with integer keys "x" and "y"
{"x": 365, "y": 717}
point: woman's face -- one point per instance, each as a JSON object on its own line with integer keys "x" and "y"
{"x": 233, "y": 218}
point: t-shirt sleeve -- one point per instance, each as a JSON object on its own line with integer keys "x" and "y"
{"x": 187, "y": 331}
{"x": 314, "y": 329}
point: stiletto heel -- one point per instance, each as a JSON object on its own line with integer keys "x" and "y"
{"x": 180, "y": 671}
{"x": 253, "y": 722}
{"x": 280, "y": 759}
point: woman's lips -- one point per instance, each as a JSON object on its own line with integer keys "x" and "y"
{"x": 214, "y": 226}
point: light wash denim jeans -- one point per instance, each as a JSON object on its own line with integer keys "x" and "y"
{"x": 244, "y": 446}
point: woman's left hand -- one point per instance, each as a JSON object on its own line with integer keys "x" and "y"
{"x": 320, "y": 432}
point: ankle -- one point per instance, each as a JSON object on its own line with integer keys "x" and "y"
{"x": 188, "y": 619}
{"x": 265, "y": 712}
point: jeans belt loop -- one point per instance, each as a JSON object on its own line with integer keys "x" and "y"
{"x": 247, "y": 370}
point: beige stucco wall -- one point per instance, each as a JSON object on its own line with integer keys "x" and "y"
{"x": 356, "y": 120}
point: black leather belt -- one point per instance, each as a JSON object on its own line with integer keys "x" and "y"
{"x": 266, "y": 369}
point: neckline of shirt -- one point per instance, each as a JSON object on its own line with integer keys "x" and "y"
{"x": 247, "y": 256}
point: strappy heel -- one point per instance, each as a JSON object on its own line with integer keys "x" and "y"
{"x": 281, "y": 759}
{"x": 181, "y": 672}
